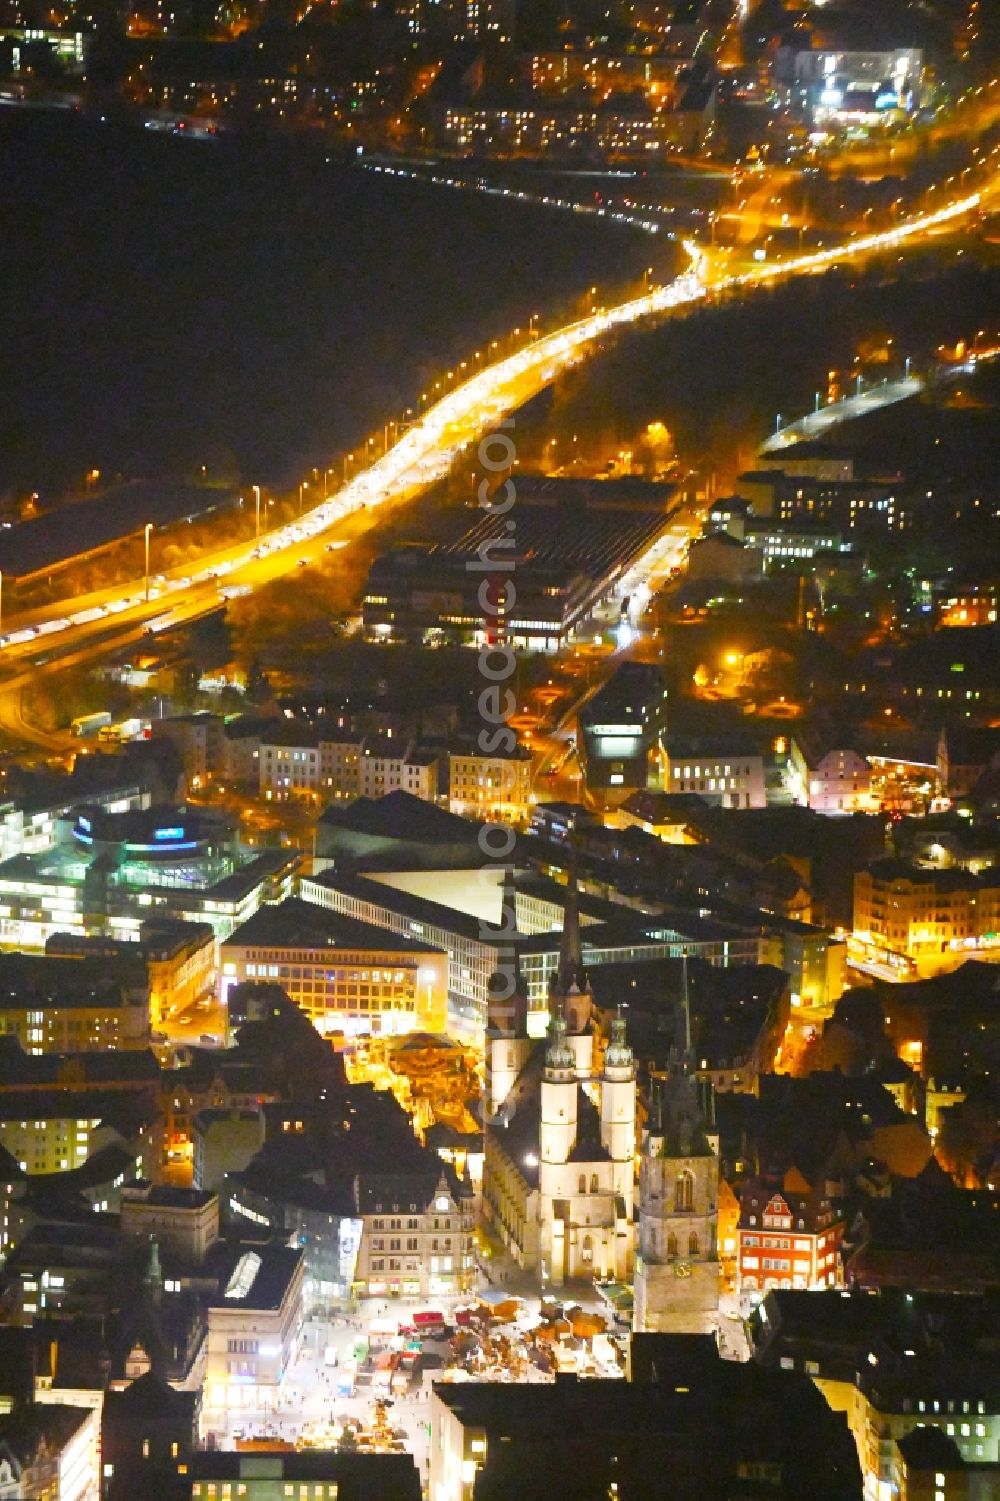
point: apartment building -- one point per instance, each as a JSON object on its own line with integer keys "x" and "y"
{"x": 490, "y": 787}
{"x": 416, "y": 1239}
{"x": 928, "y": 921}
{"x": 786, "y": 1240}
{"x": 828, "y": 780}
{"x": 65, "y": 1005}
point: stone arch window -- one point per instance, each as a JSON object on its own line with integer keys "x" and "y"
{"x": 594, "y": 1184}
{"x": 693, "y": 1247}
{"x": 684, "y": 1191}
{"x": 671, "y": 1244}
{"x": 587, "y": 1251}
{"x": 582, "y": 1183}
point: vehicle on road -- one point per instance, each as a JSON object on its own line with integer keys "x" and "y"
{"x": 90, "y": 724}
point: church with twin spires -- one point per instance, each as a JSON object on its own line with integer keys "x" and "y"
{"x": 560, "y": 1139}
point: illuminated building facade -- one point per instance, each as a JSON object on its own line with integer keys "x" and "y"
{"x": 677, "y": 1267}
{"x": 559, "y": 1165}
{"x": 490, "y": 787}
{"x": 110, "y": 874}
{"x": 845, "y": 88}
{"x": 622, "y": 730}
{"x": 727, "y": 772}
{"x": 253, "y": 1326}
{"x": 178, "y": 959}
{"x": 346, "y": 975}
{"x": 59, "y": 1005}
{"x": 786, "y": 1239}
{"x": 931, "y": 920}
{"x": 828, "y": 781}
{"x": 414, "y": 1243}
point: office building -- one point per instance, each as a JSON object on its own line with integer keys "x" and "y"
{"x": 462, "y": 918}
{"x": 844, "y": 504}
{"x": 621, "y": 731}
{"x": 347, "y": 975}
{"x": 110, "y": 873}
{"x": 726, "y": 770}
{"x": 66, "y": 1005}
{"x": 254, "y": 1324}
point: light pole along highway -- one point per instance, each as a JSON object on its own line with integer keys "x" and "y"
{"x": 424, "y": 453}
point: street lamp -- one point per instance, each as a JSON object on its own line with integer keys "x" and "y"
{"x": 256, "y": 496}
{"x": 147, "y": 529}
{"x": 817, "y": 399}
{"x": 303, "y": 487}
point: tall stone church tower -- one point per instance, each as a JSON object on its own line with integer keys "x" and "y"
{"x": 677, "y": 1257}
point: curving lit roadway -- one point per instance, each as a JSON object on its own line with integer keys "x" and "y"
{"x": 46, "y": 639}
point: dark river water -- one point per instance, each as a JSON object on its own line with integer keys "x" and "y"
{"x": 246, "y": 304}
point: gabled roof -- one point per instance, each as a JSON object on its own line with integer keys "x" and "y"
{"x": 400, "y": 815}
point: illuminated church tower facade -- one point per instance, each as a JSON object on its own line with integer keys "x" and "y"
{"x": 677, "y": 1256}
{"x": 558, "y": 1181}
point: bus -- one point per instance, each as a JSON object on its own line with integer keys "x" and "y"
{"x": 89, "y": 724}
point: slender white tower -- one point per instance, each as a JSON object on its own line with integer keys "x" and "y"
{"x": 618, "y": 1111}
{"x": 570, "y": 995}
{"x": 508, "y": 1046}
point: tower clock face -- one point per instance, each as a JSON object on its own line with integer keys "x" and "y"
{"x": 682, "y": 1268}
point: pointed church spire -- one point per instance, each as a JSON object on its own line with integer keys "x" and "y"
{"x": 570, "y": 971}
{"x": 569, "y": 995}
{"x": 686, "y": 1002}
{"x": 153, "y": 1279}
{"x": 507, "y": 990}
